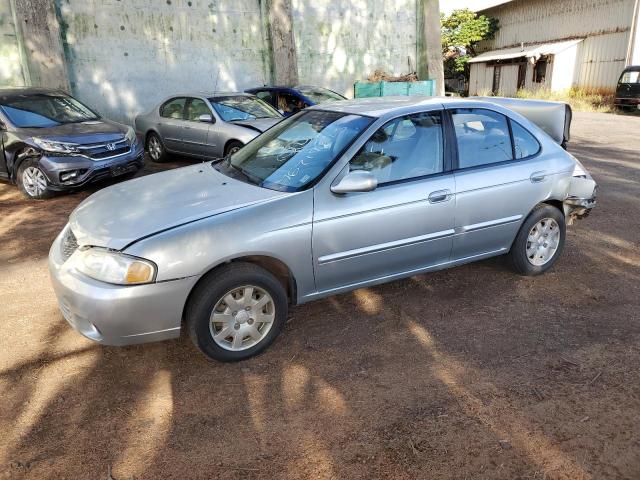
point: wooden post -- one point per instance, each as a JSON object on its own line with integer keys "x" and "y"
{"x": 40, "y": 42}
{"x": 429, "y": 45}
{"x": 282, "y": 47}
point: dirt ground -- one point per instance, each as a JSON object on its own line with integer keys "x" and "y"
{"x": 470, "y": 373}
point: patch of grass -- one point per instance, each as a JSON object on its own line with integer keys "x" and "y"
{"x": 580, "y": 99}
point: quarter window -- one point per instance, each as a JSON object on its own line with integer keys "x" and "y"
{"x": 174, "y": 108}
{"x": 404, "y": 148}
{"x": 524, "y": 143}
{"x": 482, "y": 136}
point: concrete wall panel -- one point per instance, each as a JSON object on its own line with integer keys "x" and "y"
{"x": 342, "y": 41}
{"x": 126, "y": 55}
{"x": 10, "y": 66}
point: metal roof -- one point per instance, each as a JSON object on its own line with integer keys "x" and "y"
{"x": 535, "y": 51}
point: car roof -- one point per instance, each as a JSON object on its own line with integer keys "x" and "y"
{"x": 209, "y": 94}
{"x": 381, "y": 106}
{"x": 632, "y": 68}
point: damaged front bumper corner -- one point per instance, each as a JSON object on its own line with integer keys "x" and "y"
{"x": 580, "y": 200}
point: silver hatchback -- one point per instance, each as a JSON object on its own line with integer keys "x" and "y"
{"x": 334, "y": 198}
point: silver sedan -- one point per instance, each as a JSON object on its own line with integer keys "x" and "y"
{"x": 204, "y": 126}
{"x": 331, "y": 199}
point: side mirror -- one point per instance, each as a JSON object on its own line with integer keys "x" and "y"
{"x": 206, "y": 118}
{"x": 356, "y": 181}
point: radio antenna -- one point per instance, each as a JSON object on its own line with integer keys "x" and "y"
{"x": 215, "y": 87}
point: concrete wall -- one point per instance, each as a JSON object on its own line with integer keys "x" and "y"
{"x": 10, "y": 64}
{"x": 123, "y": 56}
{"x": 341, "y": 41}
{"x": 126, "y": 55}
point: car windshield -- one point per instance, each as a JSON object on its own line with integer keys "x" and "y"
{"x": 320, "y": 95}
{"x": 44, "y": 110}
{"x": 295, "y": 152}
{"x": 242, "y": 107}
{"x": 632, "y": 76}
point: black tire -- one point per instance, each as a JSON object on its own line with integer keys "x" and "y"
{"x": 519, "y": 258}
{"x": 38, "y": 194}
{"x": 232, "y": 147}
{"x": 212, "y": 288}
{"x": 157, "y": 156}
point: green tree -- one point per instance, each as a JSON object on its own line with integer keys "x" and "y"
{"x": 461, "y": 32}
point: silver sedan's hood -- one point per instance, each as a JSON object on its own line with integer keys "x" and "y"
{"x": 259, "y": 124}
{"x": 118, "y": 215}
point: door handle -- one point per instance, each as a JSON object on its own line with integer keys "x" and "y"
{"x": 439, "y": 196}
{"x": 537, "y": 177}
{"x": 187, "y": 127}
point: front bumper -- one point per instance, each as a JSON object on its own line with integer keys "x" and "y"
{"x": 89, "y": 170}
{"x": 115, "y": 314}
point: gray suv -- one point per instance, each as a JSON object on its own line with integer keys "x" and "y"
{"x": 50, "y": 142}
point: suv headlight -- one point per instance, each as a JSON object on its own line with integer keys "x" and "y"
{"x": 131, "y": 136}
{"x": 56, "y": 147}
{"x": 114, "y": 267}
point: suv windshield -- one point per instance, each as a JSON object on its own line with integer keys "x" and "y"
{"x": 296, "y": 151}
{"x": 320, "y": 95}
{"x": 241, "y": 107}
{"x": 631, "y": 76}
{"x": 44, "y": 110}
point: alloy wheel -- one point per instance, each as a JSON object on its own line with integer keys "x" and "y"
{"x": 242, "y": 318}
{"x": 155, "y": 149}
{"x": 543, "y": 241}
{"x": 34, "y": 181}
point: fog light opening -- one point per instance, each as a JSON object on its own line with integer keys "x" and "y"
{"x": 69, "y": 175}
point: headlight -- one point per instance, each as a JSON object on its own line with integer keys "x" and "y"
{"x": 56, "y": 147}
{"x": 114, "y": 267}
{"x": 131, "y": 136}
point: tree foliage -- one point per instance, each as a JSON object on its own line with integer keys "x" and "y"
{"x": 462, "y": 30}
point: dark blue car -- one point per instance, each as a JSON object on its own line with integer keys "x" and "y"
{"x": 289, "y": 100}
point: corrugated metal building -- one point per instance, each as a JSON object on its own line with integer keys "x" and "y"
{"x": 557, "y": 44}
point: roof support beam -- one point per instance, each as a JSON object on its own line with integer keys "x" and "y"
{"x": 281, "y": 42}
{"x": 429, "y": 45}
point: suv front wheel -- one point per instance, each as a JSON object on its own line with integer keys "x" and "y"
{"x": 32, "y": 181}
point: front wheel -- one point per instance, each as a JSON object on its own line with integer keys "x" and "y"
{"x": 32, "y": 181}
{"x": 233, "y": 147}
{"x": 236, "y": 312}
{"x": 539, "y": 242}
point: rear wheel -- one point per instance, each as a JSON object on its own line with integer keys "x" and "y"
{"x": 155, "y": 148}
{"x": 539, "y": 242}
{"x": 236, "y": 312}
{"x": 232, "y": 147}
{"x": 32, "y": 181}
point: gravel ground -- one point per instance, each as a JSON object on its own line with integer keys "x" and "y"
{"x": 469, "y": 373}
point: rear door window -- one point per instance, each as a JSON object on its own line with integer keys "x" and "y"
{"x": 482, "y": 137}
{"x": 174, "y": 108}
